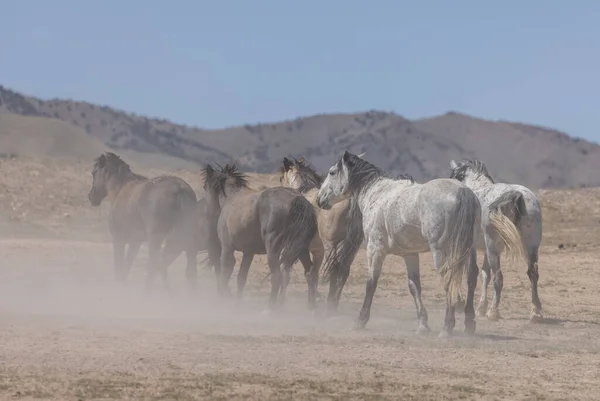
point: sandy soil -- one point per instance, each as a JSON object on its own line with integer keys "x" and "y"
{"x": 69, "y": 332}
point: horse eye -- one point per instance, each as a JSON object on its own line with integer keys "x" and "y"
{"x": 331, "y": 173}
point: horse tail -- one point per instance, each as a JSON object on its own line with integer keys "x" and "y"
{"x": 465, "y": 225}
{"x": 341, "y": 256}
{"x": 300, "y": 229}
{"x": 505, "y": 213}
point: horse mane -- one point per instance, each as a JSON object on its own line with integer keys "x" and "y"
{"x": 476, "y": 166}
{"x": 363, "y": 173}
{"x": 116, "y": 166}
{"x": 309, "y": 176}
{"x": 218, "y": 179}
{"x": 406, "y": 177}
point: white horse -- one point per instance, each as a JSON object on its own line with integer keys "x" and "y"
{"x": 511, "y": 219}
{"x": 405, "y": 218}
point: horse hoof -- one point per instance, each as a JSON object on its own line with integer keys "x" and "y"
{"x": 536, "y": 317}
{"x": 493, "y": 315}
{"x": 359, "y": 324}
{"x": 445, "y": 334}
{"x": 423, "y": 329}
{"x": 470, "y": 327}
{"x": 481, "y": 310}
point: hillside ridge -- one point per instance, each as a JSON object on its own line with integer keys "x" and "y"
{"x": 532, "y": 155}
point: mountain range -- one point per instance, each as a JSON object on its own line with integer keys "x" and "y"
{"x": 513, "y": 152}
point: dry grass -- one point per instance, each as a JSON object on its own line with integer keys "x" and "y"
{"x": 68, "y": 332}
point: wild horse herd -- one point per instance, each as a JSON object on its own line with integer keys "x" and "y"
{"x": 321, "y": 221}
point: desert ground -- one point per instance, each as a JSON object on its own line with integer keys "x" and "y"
{"x": 68, "y": 331}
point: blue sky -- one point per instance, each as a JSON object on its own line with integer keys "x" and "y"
{"x": 222, "y": 63}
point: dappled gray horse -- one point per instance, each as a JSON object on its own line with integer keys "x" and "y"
{"x": 405, "y": 218}
{"x": 278, "y": 222}
{"x": 156, "y": 210}
{"x": 335, "y": 238}
{"x": 512, "y": 220}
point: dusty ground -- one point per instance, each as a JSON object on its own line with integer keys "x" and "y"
{"x": 67, "y": 331}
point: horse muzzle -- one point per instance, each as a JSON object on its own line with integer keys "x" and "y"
{"x": 94, "y": 199}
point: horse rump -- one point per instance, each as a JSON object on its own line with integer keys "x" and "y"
{"x": 505, "y": 213}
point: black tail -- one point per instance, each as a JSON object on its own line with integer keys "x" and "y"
{"x": 342, "y": 255}
{"x": 300, "y": 229}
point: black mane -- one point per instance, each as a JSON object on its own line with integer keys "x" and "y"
{"x": 218, "y": 179}
{"x": 460, "y": 171}
{"x": 363, "y": 173}
{"x": 310, "y": 178}
{"x": 115, "y": 165}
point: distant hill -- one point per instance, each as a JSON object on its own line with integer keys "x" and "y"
{"x": 531, "y": 155}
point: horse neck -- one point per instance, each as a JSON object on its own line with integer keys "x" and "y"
{"x": 232, "y": 193}
{"x": 365, "y": 195}
{"x": 115, "y": 185}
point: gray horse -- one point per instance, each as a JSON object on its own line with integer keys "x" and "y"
{"x": 511, "y": 220}
{"x": 336, "y": 238}
{"x": 156, "y": 210}
{"x": 278, "y": 222}
{"x": 406, "y": 218}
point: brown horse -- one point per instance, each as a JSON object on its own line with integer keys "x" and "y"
{"x": 278, "y": 222}
{"x": 334, "y": 236}
{"x": 156, "y": 210}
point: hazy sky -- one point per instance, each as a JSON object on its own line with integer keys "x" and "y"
{"x": 214, "y": 65}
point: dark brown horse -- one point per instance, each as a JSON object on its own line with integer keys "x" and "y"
{"x": 153, "y": 210}
{"x": 278, "y": 222}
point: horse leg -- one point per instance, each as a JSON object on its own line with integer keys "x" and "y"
{"x": 333, "y": 286}
{"x": 334, "y": 275}
{"x": 132, "y": 250}
{"x": 191, "y": 270}
{"x": 318, "y": 254}
{"x": 342, "y": 278}
{"x": 243, "y": 274}
{"x": 154, "y": 244}
{"x": 119, "y": 255}
{"x": 449, "y": 319}
{"x": 285, "y": 281}
{"x": 472, "y": 273}
{"x": 311, "y": 272}
{"x": 274, "y": 267}
{"x": 414, "y": 285}
{"x": 494, "y": 260}
{"x": 169, "y": 254}
{"x": 227, "y": 265}
{"x": 486, "y": 275}
{"x": 533, "y": 273}
{"x": 375, "y": 257}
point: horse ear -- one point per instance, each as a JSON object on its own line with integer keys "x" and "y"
{"x": 102, "y": 161}
{"x": 302, "y": 161}
{"x": 453, "y": 164}
{"x": 209, "y": 170}
{"x": 346, "y": 157}
{"x": 287, "y": 164}
{"x": 361, "y": 155}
